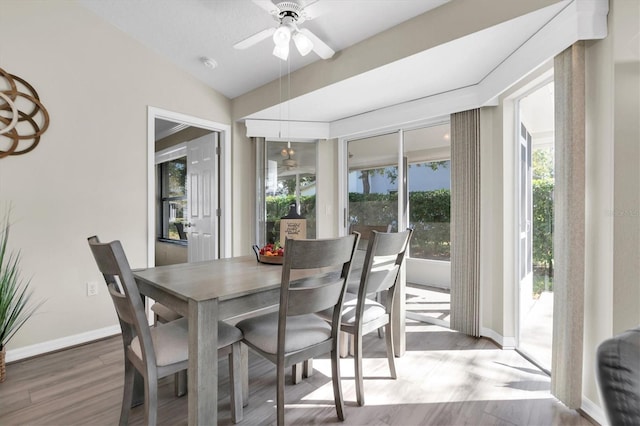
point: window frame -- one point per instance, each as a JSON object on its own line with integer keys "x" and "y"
{"x": 161, "y": 159}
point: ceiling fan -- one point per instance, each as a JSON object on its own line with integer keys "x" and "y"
{"x": 288, "y": 163}
{"x": 289, "y": 14}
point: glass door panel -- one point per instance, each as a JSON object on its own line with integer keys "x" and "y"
{"x": 289, "y": 180}
{"x": 373, "y": 185}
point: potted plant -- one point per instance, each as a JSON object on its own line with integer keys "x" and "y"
{"x": 15, "y": 306}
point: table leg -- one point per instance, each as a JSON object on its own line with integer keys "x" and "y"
{"x": 203, "y": 362}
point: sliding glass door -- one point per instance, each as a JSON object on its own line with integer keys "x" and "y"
{"x": 402, "y": 179}
{"x": 373, "y": 185}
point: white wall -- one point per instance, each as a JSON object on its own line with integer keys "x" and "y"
{"x": 88, "y": 175}
{"x": 612, "y": 296}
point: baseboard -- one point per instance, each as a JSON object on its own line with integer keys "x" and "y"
{"x": 594, "y": 411}
{"x": 62, "y": 343}
{"x": 503, "y": 342}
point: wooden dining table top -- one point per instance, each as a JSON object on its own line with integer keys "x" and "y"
{"x": 218, "y": 279}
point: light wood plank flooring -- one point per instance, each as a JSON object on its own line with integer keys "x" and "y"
{"x": 445, "y": 378}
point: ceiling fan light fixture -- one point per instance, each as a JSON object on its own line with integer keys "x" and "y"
{"x": 281, "y": 52}
{"x": 282, "y": 36}
{"x": 303, "y": 43}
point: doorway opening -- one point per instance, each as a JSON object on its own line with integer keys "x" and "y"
{"x": 188, "y": 188}
{"x": 399, "y": 180}
{"x": 535, "y": 248}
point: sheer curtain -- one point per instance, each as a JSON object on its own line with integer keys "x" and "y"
{"x": 465, "y": 222}
{"x": 569, "y": 222}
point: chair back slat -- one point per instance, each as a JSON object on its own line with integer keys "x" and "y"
{"x": 313, "y": 254}
{"x": 308, "y": 300}
{"x": 385, "y": 254}
{"x": 122, "y": 305}
{"x": 325, "y": 265}
{"x": 382, "y": 276}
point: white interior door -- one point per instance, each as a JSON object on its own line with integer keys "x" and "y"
{"x": 202, "y": 194}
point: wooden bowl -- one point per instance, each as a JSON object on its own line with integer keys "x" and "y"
{"x": 274, "y": 260}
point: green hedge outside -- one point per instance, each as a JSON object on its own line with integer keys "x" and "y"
{"x": 430, "y": 215}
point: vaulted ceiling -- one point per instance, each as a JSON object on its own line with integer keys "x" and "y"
{"x": 485, "y": 51}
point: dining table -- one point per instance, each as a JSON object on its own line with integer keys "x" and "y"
{"x": 206, "y": 292}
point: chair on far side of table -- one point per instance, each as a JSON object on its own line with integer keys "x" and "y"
{"x": 360, "y": 313}
{"x": 314, "y": 278}
{"x": 158, "y": 351}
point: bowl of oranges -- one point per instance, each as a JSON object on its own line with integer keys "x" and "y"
{"x": 270, "y": 253}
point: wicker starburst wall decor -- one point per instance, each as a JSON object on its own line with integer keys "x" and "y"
{"x": 23, "y": 118}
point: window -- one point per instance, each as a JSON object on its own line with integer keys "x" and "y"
{"x": 289, "y": 178}
{"x": 173, "y": 198}
{"x": 429, "y": 184}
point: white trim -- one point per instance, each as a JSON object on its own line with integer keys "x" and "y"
{"x": 283, "y": 130}
{"x": 504, "y": 342}
{"x": 171, "y": 153}
{"x": 343, "y": 190}
{"x": 594, "y": 411}
{"x": 61, "y": 343}
{"x": 225, "y": 175}
{"x": 579, "y": 20}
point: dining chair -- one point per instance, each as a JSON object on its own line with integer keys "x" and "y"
{"x": 157, "y": 351}
{"x": 314, "y": 277}
{"x": 360, "y": 313}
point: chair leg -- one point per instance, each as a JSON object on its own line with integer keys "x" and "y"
{"x": 151, "y": 398}
{"x": 337, "y": 386}
{"x": 296, "y": 373}
{"x": 127, "y": 395}
{"x": 357, "y": 360}
{"x": 390, "y": 351}
{"x": 344, "y": 344}
{"x": 307, "y": 368}
{"x": 301, "y": 370}
{"x": 280, "y": 394}
{"x": 180, "y": 383}
{"x": 244, "y": 371}
{"x": 379, "y": 300}
{"x": 235, "y": 380}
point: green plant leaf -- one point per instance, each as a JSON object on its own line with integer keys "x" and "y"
{"x": 16, "y": 305}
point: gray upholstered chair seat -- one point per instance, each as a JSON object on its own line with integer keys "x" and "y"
{"x": 302, "y": 331}
{"x": 170, "y": 342}
{"x": 372, "y": 310}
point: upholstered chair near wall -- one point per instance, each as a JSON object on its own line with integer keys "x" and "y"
{"x": 158, "y": 351}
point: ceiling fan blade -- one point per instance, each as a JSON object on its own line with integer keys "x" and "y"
{"x": 315, "y": 9}
{"x": 268, "y": 6}
{"x": 319, "y": 46}
{"x": 256, "y": 38}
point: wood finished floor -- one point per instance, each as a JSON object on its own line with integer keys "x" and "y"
{"x": 445, "y": 378}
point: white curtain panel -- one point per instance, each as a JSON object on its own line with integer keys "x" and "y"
{"x": 569, "y": 226}
{"x": 465, "y": 222}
